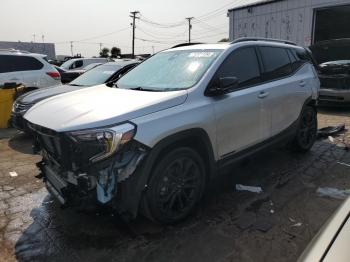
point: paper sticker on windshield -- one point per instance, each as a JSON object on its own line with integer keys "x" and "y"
{"x": 108, "y": 72}
{"x": 201, "y": 54}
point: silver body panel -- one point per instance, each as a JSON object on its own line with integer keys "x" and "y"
{"x": 233, "y": 121}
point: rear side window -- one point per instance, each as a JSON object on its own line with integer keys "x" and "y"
{"x": 242, "y": 64}
{"x": 13, "y": 63}
{"x": 276, "y": 62}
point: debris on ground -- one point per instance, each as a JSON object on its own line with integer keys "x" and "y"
{"x": 13, "y": 174}
{"x": 292, "y": 220}
{"x": 343, "y": 164}
{"x": 330, "y": 131}
{"x": 299, "y": 224}
{"x": 330, "y": 138}
{"x": 333, "y": 192}
{"x": 253, "y": 189}
{"x": 246, "y": 220}
{"x": 263, "y": 225}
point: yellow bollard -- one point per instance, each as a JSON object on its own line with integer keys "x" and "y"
{"x": 6, "y": 101}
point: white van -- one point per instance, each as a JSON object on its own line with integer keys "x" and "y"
{"x": 79, "y": 63}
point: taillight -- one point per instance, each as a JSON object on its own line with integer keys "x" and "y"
{"x": 54, "y": 75}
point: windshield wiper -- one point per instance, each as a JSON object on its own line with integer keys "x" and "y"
{"x": 74, "y": 85}
{"x": 145, "y": 89}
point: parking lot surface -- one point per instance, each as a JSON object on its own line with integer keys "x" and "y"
{"x": 229, "y": 225}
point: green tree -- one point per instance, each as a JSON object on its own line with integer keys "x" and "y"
{"x": 104, "y": 52}
{"x": 115, "y": 52}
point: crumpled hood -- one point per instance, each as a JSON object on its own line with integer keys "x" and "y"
{"x": 43, "y": 93}
{"x": 99, "y": 106}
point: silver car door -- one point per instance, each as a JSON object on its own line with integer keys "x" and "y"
{"x": 239, "y": 116}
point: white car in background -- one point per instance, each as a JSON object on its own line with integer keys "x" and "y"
{"x": 80, "y": 63}
{"x": 30, "y": 69}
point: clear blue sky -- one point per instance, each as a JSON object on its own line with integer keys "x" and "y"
{"x": 61, "y": 21}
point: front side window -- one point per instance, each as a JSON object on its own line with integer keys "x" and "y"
{"x": 276, "y": 62}
{"x": 96, "y": 76}
{"x": 243, "y": 64}
{"x": 170, "y": 71}
{"x": 77, "y": 64}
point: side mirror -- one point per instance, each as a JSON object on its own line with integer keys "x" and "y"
{"x": 224, "y": 85}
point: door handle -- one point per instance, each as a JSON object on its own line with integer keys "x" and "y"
{"x": 263, "y": 94}
{"x": 302, "y": 83}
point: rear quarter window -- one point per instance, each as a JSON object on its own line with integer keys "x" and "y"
{"x": 13, "y": 63}
{"x": 27, "y": 63}
{"x": 276, "y": 62}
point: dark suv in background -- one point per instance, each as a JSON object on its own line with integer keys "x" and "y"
{"x": 333, "y": 58}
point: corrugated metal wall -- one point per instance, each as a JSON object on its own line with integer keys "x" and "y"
{"x": 288, "y": 19}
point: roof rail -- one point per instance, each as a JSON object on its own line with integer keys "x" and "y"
{"x": 244, "y": 39}
{"x": 186, "y": 44}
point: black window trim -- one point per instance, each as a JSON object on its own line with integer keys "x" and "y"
{"x": 261, "y": 68}
{"x": 207, "y": 93}
{"x": 286, "y": 76}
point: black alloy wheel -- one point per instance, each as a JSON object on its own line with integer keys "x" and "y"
{"x": 176, "y": 186}
{"x": 307, "y": 131}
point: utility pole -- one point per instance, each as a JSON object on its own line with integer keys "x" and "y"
{"x": 71, "y": 47}
{"x": 100, "y": 47}
{"x": 34, "y": 38}
{"x": 134, "y": 17}
{"x": 43, "y": 38}
{"x": 189, "y": 28}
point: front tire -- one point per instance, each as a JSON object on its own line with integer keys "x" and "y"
{"x": 307, "y": 130}
{"x": 176, "y": 186}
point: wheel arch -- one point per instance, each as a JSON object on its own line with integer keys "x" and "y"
{"x": 195, "y": 138}
{"x": 134, "y": 188}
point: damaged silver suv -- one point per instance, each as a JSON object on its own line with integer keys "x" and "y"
{"x": 151, "y": 143}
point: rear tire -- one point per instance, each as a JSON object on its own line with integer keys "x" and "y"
{"x": 307, "y": 130}
{"x": 176, "y": 186}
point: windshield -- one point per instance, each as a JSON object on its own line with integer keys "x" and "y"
{"x": 169, "y": 71}
{"x": 67, "y": 64}
{"x": 88, "y": 67}
{"x": 96, "y": 76}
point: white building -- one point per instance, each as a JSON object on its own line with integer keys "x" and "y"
{"x": 302, "y": 21}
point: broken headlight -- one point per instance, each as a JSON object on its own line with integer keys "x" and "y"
{"x": 99, "y": 144}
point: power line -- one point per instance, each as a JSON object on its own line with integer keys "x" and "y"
{"x": 161, "y": 25}
{"x": 160, "y": 42}
{"x": 207, "y": 36}
{"x": 156, "y": 35}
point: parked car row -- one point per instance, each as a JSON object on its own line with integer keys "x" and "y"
{"x": 150, "y": 141}
{"x": 104, "y": 74}
{"x": 33, "y": 70}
